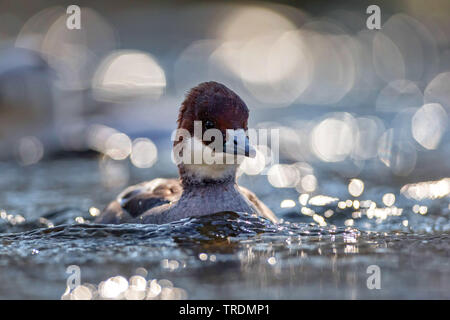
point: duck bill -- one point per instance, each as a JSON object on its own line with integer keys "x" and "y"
{"x": 239, "y": 144}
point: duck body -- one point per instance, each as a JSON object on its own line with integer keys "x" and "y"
{"x": 203, "y": 188}
{"x": 164, "y": 200}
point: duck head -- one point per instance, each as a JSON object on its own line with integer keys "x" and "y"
{"x": 211, "y": 140}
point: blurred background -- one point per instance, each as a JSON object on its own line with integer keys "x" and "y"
{"x": 349, "y": 102}
{"x": 363, "y": 119}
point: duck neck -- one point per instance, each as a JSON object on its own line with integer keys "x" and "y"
{"x": 205, "y": 194}
{"x": 199, "y": 176}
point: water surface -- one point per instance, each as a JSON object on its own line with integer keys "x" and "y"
{"x": 321, "y": 250}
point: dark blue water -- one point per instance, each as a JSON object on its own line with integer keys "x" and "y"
{"x": 46, "y": 226}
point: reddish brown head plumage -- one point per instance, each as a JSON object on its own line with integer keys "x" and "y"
{"x": 214, "y": 102}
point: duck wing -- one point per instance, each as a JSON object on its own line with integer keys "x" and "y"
{"x": 262, "y": 208}
{"x": 139, "y": 198}
{"x": 135, "y": 200}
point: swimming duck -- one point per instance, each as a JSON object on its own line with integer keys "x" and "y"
{"x": 202, "y": 188}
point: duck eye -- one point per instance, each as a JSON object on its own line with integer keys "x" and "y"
{"x": 209, "y": 124}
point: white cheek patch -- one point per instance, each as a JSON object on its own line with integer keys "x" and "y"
{"x": 206, "y": 168}
{"x": 196, "y": 148}
{"x": 192, "y": 151}
{"x": 188, "y": 151}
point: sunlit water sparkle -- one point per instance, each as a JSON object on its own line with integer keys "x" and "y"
{"x": 321, "y": 249}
